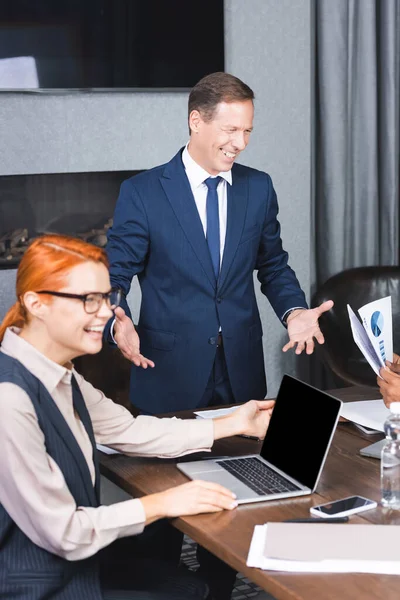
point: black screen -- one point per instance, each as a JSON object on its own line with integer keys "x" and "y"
{"x": 339, "y": 506}
{"x": 109, "y": 44}
{"x": 302, "y": 423}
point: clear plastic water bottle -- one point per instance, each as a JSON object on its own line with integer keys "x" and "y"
{"x": 390, "y": 459}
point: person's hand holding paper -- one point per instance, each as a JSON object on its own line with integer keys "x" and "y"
{"x": 389, "y": 381}
{"x": 374, "y": 335}
{"x": 395, "y": 365}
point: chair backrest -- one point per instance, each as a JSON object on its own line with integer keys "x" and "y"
{"x": 355, "y": 287}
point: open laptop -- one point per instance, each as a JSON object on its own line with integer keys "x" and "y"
{"x": 293, "y": 453}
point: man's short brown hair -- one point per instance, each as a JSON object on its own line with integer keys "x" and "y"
{"x": 214, "y": 89}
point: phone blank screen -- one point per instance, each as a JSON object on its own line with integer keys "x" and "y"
{"x": 341, "y": 505}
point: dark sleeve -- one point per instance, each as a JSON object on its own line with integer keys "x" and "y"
{"x": 278, "y": 280}
{"x": 127, "y": 242}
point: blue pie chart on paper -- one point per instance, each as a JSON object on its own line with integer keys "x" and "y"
{"x": 377, "y": 323}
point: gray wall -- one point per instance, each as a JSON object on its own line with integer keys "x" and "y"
{"x": 268, "y": 45}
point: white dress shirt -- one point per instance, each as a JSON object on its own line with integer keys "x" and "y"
{"x": 197, "y": 176}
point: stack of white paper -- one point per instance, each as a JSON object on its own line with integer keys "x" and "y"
{"x": 325, "y": 547}
{"x": 368, "y": 413}
{"x": 107, "y": 449}
{"x": 214, "y": 413}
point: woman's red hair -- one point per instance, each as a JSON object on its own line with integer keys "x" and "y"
{"x": 45, "y": 266}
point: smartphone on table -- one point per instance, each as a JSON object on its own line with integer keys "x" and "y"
{"x": 343, "y": 507}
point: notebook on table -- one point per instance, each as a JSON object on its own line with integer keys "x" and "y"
{"x": 293, "y": 452}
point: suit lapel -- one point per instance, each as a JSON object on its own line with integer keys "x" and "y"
{"x": 238, "y": 195}
{"x": 177, "y": 189}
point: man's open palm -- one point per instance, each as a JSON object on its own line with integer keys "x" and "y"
{"x": 127, "y": 339}
{"x": 303, "y": 327}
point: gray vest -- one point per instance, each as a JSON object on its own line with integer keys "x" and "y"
{"x": 27, "y": 571}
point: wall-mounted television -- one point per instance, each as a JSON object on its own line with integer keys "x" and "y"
{"x": 98, "y": 45}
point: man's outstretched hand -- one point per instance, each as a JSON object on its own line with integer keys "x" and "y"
{"x": 303, "y": 327}
{"x": 127, "y": 339}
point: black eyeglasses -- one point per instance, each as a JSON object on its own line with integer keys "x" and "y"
{"x": 92, "y": 301}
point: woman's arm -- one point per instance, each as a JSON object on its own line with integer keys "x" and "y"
{"x": 251, "y": 418}
{"x": 34, "y": 493}
{"x": 114, "y": 426}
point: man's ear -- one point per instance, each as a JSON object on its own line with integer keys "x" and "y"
{"x": 195, "y": 121}
{"x": 34, "y": 304}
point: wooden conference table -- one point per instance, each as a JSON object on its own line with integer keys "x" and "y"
{"x": 228, "y": 534}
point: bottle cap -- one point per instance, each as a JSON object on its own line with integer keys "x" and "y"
{"x": 395, "y": 408}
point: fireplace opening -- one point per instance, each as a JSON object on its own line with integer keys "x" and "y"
{"x": 78, "y": 204}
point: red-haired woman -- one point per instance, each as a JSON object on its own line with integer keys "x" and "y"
{"x": 52, "y": 526}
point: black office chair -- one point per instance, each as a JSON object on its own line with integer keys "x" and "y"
{"x": 355, "y": 287}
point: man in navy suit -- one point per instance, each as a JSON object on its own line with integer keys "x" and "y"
{"x": 199, "y": 323}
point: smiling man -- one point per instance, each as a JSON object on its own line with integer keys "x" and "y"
{"x": 194, "y": 230}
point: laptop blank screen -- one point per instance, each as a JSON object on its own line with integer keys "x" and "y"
{"x": 302, "y": 423}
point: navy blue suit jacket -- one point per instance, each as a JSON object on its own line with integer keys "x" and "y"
{"x": 158, "y": 236}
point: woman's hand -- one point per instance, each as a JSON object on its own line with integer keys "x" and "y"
{"x": 251, "y": 419}
{"x": 191, "y": 498}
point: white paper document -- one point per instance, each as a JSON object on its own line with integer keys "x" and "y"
{"x": 107, "y": 449}
{"x": 368, "y": 413}
{"x": 374, "y": 335}
{"x": 213, "y": 414}
{"x": 325, "y": 548}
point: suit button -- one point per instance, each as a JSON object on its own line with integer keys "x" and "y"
{"x": 219, "y": 300}
{"x": 212, "y": 341}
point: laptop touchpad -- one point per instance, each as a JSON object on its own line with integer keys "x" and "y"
{"x": 206, "y": 466}
{"x": 211, "y": 471}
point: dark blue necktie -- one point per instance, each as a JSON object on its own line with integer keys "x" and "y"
{"x": 213, "y": 222}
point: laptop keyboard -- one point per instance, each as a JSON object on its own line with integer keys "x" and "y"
{"x": 258, "y": 476}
